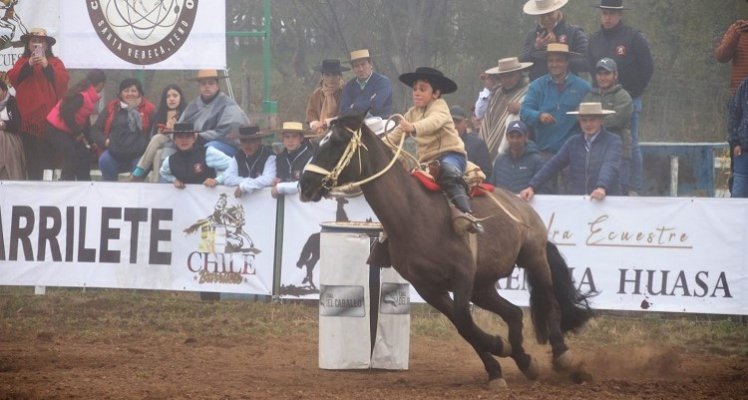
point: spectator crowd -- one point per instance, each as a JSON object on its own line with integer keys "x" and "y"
{"x": 560, "y": 118}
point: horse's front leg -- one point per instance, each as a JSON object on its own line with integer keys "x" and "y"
{"x": 460, "y": 317}
{"x": 489, "y": 299}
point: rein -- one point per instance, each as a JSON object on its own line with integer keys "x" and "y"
{"x": 330, "y": 178}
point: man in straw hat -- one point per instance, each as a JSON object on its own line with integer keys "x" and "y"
{"x": 613, "y": 96}
{"x": 550, "y": 97}
{"x": 215, "y": 116}
{"x": 551, "y": 28}
{"x": 324, "y": 103}
{"x": 253, "y": 166}
{"x": 369, "y": 90}
{"x": 630, "y": 50}
{"x": 40, "y": 80}
{"x": 192, "y": 163}
{"x": 291, "y": 161}
{"x": 505, "y": 103}
{"x": 593, "y": 158}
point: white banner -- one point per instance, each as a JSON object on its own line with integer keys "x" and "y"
{"x": 657, "y": 254}
{"x": 153, "y": 34}
{"x": 660, "y": 254}
{"x": 17, "y": 18}
{"x": 142, "y": 236}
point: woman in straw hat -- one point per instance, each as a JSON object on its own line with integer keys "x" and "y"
{"x": 430, "y": 122}
{"x": 324, "y": 103}
{"x": 40, "y": 81}
{"x": 593, "y": 158}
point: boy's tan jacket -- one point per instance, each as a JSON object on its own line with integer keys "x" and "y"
{"x": 435, "y": 132}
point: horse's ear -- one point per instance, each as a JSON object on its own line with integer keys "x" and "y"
{"x": 353, "y": 119}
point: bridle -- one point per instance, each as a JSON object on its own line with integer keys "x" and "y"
{"x": 330, "y": 178}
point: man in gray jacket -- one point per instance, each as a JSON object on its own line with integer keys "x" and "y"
{"x": 215, "y": 115}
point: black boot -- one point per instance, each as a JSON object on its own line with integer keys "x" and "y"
{"x": 457, "y": 194}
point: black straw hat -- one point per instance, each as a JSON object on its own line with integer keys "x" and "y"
{"x": 612, "y": 5}
{"x": 433, "y": 76}
{"x": 331, "y": 67}
{"x": 181, "y": 127}
{"x": 252, "y": 132}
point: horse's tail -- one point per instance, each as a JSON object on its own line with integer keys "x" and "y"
{"x": 575, "y": 310}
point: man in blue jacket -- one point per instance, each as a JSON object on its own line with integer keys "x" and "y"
{"x": 593, "y": 158}
{"x": 514, "y": 169}
{"x": 550, "y": 97}
{"x": 368, "y": 90}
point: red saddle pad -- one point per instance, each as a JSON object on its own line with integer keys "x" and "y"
{"x": 430, "y": 184}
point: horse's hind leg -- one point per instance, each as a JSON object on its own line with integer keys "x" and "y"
{"x": 462, "y": 320}
{"x": 547, "y": 315}
{"x": 489, "y": 299}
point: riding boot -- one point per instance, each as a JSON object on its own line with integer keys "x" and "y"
{"x": 462, "y": 214}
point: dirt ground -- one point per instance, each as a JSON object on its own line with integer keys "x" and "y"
{"x": 166, "y": 360}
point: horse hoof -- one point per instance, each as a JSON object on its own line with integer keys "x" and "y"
{"x": 566, "y": 362}
{"x": 497, "y": 384}
{"x": 532, "y": 372}
{"x": 580, "y": 376}
{"x": 506, "y": 348}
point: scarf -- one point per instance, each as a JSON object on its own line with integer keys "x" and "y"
{"x": 330, "y": 103}
{"x": 134, "y": 121}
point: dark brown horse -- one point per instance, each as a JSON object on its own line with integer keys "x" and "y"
{"x": 426, "y": 250}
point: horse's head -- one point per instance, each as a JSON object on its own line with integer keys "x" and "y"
{"x": 337, "y": 160}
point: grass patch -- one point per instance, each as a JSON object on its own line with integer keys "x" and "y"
{"x": 106, "y": 314}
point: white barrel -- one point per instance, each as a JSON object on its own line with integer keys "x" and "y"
{"x": 344, "y": 338}
{"x": 392, "y": 344}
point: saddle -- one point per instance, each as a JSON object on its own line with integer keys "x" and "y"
{"x": 473, "y": 177}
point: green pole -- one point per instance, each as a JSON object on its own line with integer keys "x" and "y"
{"x": 270, "y": 107}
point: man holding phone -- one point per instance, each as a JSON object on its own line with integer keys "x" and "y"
{"x": 551, "y": 28}
{"x": 40, "y": 80}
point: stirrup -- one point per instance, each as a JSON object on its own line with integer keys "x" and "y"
{"x": 466, "y": 222}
